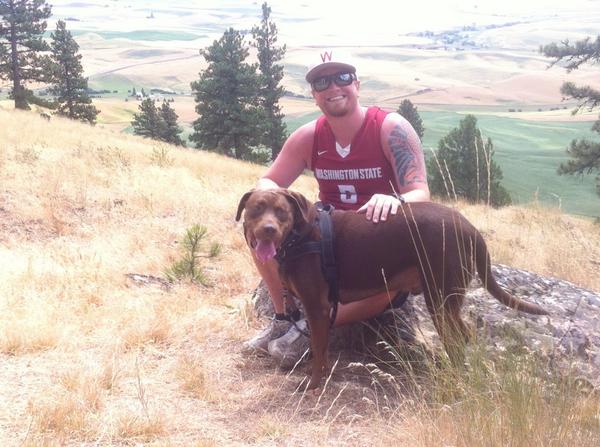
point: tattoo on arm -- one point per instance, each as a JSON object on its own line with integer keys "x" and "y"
{"x": 407, "y": 161}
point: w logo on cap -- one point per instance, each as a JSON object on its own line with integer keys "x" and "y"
{"x": 340, "y": 61}
{"x": 326, "y": 56}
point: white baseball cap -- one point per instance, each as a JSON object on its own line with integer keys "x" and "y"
{"x": 333, "y": 57}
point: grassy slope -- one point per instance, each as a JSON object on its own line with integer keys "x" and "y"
{"x": 144, "y": 35}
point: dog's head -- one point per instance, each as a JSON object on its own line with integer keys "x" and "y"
{"x": 269, "y": 217}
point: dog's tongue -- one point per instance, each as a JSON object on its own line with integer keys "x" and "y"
{"x": 265, "y": 250}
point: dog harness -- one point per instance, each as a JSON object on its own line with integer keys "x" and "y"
{"x": 295, "y": 246}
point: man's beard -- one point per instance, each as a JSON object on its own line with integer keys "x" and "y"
{"x": 337, "y": 112}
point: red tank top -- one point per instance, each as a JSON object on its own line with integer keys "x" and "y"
{"x": 349, "y": 182}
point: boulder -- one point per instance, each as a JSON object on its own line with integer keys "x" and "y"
{"x": 568, "y": 338}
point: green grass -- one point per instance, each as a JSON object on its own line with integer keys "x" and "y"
{"x": 143, "y": 35}
{"x": 528, "y": 153}
{"x": 121, "y": 84}
{"x": 295, "y": 121}
{"x": 143, "y": 54}
{"x": 117, "y": 116}
{"x": 113, "y": 82}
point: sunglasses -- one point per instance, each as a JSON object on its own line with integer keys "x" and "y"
{"x": 341, "y": 80}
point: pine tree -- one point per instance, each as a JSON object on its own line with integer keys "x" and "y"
{"x": 463, "y": 167}
{"x": 148, "y": 123}
{"x": 410, "y": 113}
{"x": 226, "y": 98}
{"x": 22, "y": 25}
{"x": 585, "y": 154}
{"x": 69, "y": 85}
{"x": 269, "y": 54}
{"x": 157, "y": 123}
{"x": 171, "y": 130}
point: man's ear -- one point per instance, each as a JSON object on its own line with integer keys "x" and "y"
{"x": 301, "y": 206}
{"x": 242, "y": 204}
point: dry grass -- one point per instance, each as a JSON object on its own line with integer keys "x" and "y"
{"x": 194, "y": 377}
{"x": 542, "y": 240}
{"x": 501, "y": 400}
{"x": 139, "y": 429}
{"x": 91, "y": 356}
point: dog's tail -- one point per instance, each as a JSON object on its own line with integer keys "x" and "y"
{"x": 484, "y": 268}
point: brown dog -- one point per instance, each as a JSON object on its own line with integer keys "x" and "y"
{"x": 425, "y": 247}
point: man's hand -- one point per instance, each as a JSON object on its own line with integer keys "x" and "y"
{"x": 379, "y": 207}
{"x": 266, "y": 183}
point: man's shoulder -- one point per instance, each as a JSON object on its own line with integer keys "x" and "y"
{"x": 395, "y": 119}
{"x": 394, "y": 122}
{"x": 304, "y": 132}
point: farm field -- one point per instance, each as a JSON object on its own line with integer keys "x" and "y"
{"x": 529, "y": 152}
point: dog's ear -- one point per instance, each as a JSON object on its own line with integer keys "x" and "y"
{"x": 301, "y": 207}
{"x": 242, "y": 204}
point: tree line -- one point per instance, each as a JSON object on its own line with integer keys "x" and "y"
{"x": 237, "y": 101}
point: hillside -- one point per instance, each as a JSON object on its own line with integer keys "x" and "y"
{"x": 91, "y": 355}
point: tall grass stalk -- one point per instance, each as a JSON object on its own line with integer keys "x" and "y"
{"x": 495, "y": 400}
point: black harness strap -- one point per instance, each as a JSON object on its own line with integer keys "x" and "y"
{"x": 294, "y": 247}
{"x": 328, "y": 265}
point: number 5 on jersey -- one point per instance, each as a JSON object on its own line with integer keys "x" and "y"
{"x": 348, "y": 194}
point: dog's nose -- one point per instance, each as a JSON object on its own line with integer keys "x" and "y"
{"x": 269, "y": 229}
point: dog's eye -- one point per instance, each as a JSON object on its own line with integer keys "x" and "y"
{"x": 256, "y": 210}
{"x": 281, "y": 214}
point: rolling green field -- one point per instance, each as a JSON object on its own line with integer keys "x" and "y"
{"x": 141, "y": 35}
{"x": 112, "y": 82}
{"x": 124, "y": 84}
{"x": 529, "y": 152}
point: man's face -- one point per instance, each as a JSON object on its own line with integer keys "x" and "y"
{"x": 335, "y": 100}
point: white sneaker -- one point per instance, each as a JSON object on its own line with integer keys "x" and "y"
{"x": 260, "y": 342}
{"x": 291, "y": 347}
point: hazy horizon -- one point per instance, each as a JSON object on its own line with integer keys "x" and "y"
{"x": 312, "y": 22}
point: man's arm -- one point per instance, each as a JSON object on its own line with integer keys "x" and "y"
{"x": 294, "y": 158}
{"x": 402, "y": 148}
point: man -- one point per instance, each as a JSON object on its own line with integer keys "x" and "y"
{"x": 364, "y": 159}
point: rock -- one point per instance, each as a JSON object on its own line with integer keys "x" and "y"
{"x": 141, "y": 279}
{"x": 568, "y": 338}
